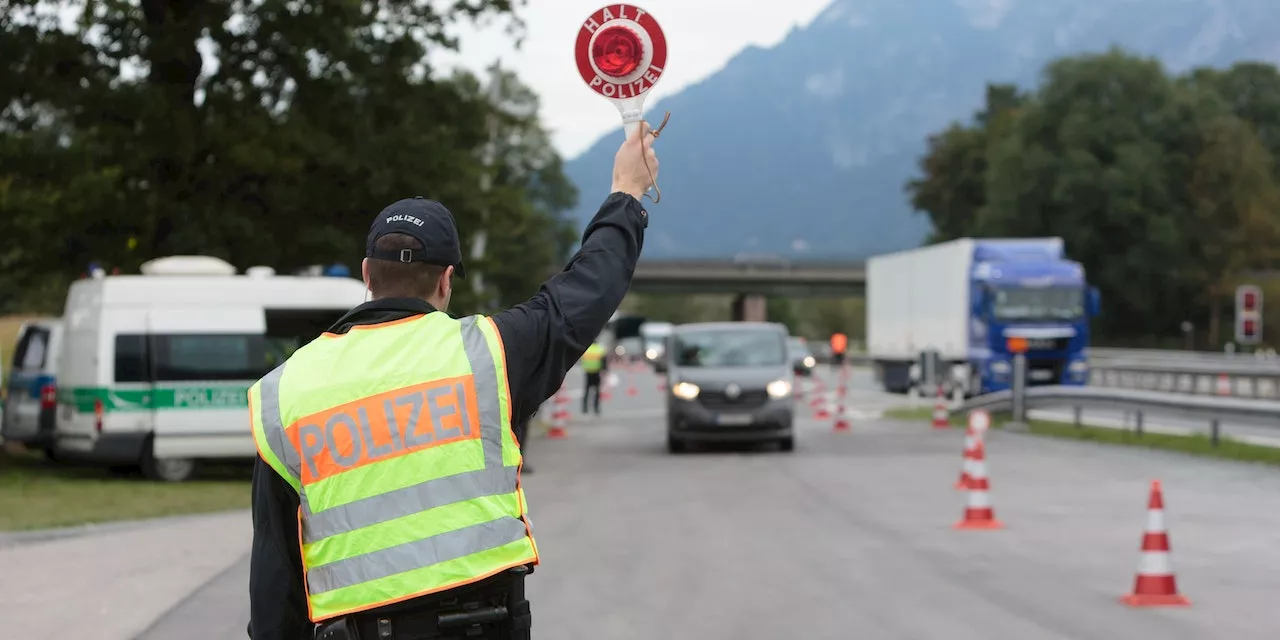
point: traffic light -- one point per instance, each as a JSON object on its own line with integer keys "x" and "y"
{"x": 1248, "y": 314}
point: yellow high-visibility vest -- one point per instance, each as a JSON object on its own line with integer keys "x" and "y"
{"x": 397, "y": 438}
{"x": 593, "y": 359}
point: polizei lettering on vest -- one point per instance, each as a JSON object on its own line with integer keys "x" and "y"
{"x": 386, "y": 425}
{"x": 605, "y": 15}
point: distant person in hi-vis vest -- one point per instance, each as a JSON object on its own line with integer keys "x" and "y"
{"x": 594, "y": 364}
{"x": 839, "y": 343}
{"x": 387, "y": 501}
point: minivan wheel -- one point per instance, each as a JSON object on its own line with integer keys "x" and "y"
{"x": 787, "y": 444}
{"x": 166, "y": 469}
{"x": 675, "y": 445}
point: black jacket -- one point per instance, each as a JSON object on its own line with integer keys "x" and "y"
{"x": 543, "y": 338}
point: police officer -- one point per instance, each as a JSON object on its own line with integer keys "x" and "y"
{"x": 593, "y": 365}
{"x": 386, "y": 496}
{"x": 839, "y": 342}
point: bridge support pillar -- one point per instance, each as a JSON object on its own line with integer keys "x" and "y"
{"x": 749, "y": 307}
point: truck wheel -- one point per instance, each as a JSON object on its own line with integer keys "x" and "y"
{"x": 166, "y": 469}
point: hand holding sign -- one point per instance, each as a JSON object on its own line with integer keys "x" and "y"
{"x": 621, "y": 54}
{"x": 635, "y": 167}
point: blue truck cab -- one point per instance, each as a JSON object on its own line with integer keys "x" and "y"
{"x": 1028, "y": 290}
{"x": 964, "y": 300}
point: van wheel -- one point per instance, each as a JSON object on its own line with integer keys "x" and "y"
{"x": 787, "y": 444}
{"x": 166, "y": 469}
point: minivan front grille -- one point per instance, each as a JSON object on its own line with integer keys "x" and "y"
{"x": 748, "y": 399}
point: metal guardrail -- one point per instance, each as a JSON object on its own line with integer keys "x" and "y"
{"x": 1247, "y": 378}
{"x": 1212, "y": 410}
{"x": 1167, "y": 355}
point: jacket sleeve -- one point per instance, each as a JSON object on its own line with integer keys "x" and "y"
{"x": 545, "y": 336}
{"x": 277, "y": 599}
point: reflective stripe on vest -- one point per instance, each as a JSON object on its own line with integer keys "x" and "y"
{"x": 409, "y": 480}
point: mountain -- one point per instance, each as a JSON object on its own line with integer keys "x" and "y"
{"x": 802, "y": 149}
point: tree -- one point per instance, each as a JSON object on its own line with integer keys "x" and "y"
{"x": 277, "y": 147}
{"x": 1164, "y": 188}
{"x": 952, "y": 187}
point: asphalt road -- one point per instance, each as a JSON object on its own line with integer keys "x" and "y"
{"x": 849, "y": 536}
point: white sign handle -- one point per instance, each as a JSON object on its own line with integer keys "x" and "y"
{"x": 632, "y": 112}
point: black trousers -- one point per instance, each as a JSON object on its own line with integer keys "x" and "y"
{"x": 593, "y": 385}
{"x": 837, "y": 360}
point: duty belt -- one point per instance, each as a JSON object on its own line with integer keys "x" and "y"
{"x": 497, "y": 612}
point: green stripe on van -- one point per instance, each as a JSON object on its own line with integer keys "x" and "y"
{"x": 230, "y": 396}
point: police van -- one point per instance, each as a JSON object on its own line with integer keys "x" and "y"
{"x": 29, "y": 410}
{"x": 156, "y": 367}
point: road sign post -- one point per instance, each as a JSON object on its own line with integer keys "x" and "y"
{"x": 1248, "y": 314}
{"x": 1018, "y": 386}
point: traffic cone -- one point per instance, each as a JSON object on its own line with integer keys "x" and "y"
{"x": 560, "y": 416}
{"x": 941, "y": 420}
{"x": 978, "y": 513}
{"x": 970, "y": 444}
{"x": 631, "y": 384}
{"x": 979, "y": 421}
{"x": 842, "y": 421}
{"x": 1155, "y": 585}
{"x": 606, "y": 380}
{"x": 1224, "y": 385}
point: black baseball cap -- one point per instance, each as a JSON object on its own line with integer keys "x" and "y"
{"x": 428, "y": 222}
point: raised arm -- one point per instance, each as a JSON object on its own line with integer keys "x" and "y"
{"x": 545, "y": 336}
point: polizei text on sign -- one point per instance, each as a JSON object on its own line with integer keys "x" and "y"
{"x": 610, "y": 89}
{"x": 651, "y": 50}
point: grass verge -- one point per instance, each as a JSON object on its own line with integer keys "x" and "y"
{"x": 36, "y": 493}
{"x": 1194, "y": 444}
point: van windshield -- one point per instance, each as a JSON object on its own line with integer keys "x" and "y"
{"x": 729, "y": 348}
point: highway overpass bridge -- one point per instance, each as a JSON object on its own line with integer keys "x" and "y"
{"x": 751, "y": 279}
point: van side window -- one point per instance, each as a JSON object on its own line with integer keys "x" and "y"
{"x": 132, "y": 361}
{"x": 184, "y": 357}
{"x": 31, "y": 349}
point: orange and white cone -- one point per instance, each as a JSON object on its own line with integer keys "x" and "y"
{"x": 941, "y": 419}
{"x": 559, "y": 416}
{"x": 819, "y": 388}
{"x": 979, "y": 421}
{"x": 606, "y": 384}
{"x": 970, "y": 444}
{"x": 631, "y": 382}
{"x": 1155, "y": 585}
{"x": 842, "y": 419}
{"x": 978, "y": 512}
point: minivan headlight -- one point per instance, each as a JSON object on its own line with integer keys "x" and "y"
{"x": 779, "y": 389}
{"x": 810, "y": 362}
{"x": 685, "y": 390}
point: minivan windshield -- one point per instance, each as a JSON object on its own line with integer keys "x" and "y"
{"x": 729, "y": 348}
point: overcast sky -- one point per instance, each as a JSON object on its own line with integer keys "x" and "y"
{"x": 701, "y": 36}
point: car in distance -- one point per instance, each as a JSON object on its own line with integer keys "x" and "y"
{"x": 802, "y": 360}
{"x": 729, "y": 382}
